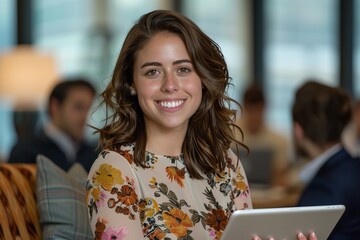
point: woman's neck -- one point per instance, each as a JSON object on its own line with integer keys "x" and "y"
{"x": 165, "y": 142}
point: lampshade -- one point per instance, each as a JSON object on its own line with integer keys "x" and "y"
{"x": 27, "y": 76}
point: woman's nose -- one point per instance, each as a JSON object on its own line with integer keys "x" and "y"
{"x": 170, "y": 83}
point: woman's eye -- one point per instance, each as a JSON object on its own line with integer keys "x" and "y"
{"x": 151, "y": 72}
{"x": 184, "y": 70}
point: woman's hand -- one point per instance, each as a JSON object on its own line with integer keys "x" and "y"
{"x": 300, "y": 236}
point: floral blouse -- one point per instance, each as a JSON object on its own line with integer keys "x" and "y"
{"x": 126, "y": 201}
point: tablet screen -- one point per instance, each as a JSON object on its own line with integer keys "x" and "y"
{"x": 283, "y": 223}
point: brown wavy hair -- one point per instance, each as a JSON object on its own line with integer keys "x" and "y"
{"x": 211, "y": 128}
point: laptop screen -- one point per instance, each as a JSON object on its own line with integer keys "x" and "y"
{"x": 257, "y": 165}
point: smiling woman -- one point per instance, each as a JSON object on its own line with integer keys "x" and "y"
{"x": 168, "y": 138}
{"x": 167, "y": 171}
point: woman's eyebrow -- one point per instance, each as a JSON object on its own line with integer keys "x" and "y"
{"x": 159, "y": 64}
{"x": 150, "y": 64}
{"x": 182, "y": 61}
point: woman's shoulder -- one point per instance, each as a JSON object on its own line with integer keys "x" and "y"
{"x": 234, "y": 162}
{"x": 117, "y": 158}
{"x": 232, "y": 156}
{"x": 124, "y": 151}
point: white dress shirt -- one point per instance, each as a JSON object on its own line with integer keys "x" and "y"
{"x": 64, "y": 142}
{"x": 310, "y": 169}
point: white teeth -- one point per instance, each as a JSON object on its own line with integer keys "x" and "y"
{"x": 171, "y": 104}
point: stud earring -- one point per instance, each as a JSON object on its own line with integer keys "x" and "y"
{"x": 132, "y": 92}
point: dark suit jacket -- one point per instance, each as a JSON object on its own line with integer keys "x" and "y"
{"x": 338, "y": 182}
{"x": 26, "y": 152}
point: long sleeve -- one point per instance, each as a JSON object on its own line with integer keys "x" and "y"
{"x": 113, "y": 198}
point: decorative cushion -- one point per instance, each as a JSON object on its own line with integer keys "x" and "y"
{"x": 61, "y": 201}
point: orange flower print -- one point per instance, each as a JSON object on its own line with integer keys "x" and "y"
{"x": 176, "y": 174}
{"x": 100, "y": 227}
{"x": 240, "y": 185}
{"x": 127, "y": 155}
{"x": 219, "y": 177}
{"x": 157, "y": 234}
{"x": 238, "y": 182}
{"x": 107, "y": 176}
{"x": 126, "y": 202}
{"x": 239, "y": 176}
{"x": 127, "y": 195}
{"x": 148, "y": 207}
{"x": 177, "y": 222}
{"x": 153, "y": 182}
{"x": 245, "y": 206}
{"x": 217, "y": 219}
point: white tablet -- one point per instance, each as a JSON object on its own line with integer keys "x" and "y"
{"x": 283, "y": 223}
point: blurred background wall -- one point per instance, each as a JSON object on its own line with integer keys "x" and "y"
{"x": 276, "y": 43}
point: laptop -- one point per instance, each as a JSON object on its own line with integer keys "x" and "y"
{"x": 257, "y": 165}
{"x": 283, "y": 223}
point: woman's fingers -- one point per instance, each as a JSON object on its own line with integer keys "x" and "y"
{"x": 313, "y": 236}
{"x": 301, "y": 236}
{"x": 258, "y": 238}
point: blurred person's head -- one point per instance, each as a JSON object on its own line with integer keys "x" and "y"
{"x": 69, "y": 105}
{"x": 356, "y": 113}
{"x": 254, "y": 108}
{"x": 320, "y": 113}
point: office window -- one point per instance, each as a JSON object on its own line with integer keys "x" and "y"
{"x": 300, "y": 42}
{"x": 357, "y": 50}
{"x": 7, "y": 40}
{"x": 61, "y": 28}
{"x": 7, "y": 24}
{"x": 227, "y": 24}
{"x": 86, "y": 36}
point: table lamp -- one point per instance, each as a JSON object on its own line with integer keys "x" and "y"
{"x": 26, "y": 78}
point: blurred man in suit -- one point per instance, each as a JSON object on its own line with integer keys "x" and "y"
{"x": 351, "y": 134}
{"x": 62, "y": 138}
{"x": 320, "y": 113}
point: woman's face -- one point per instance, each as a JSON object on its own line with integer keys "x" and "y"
{"x": 169, "y": 90}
